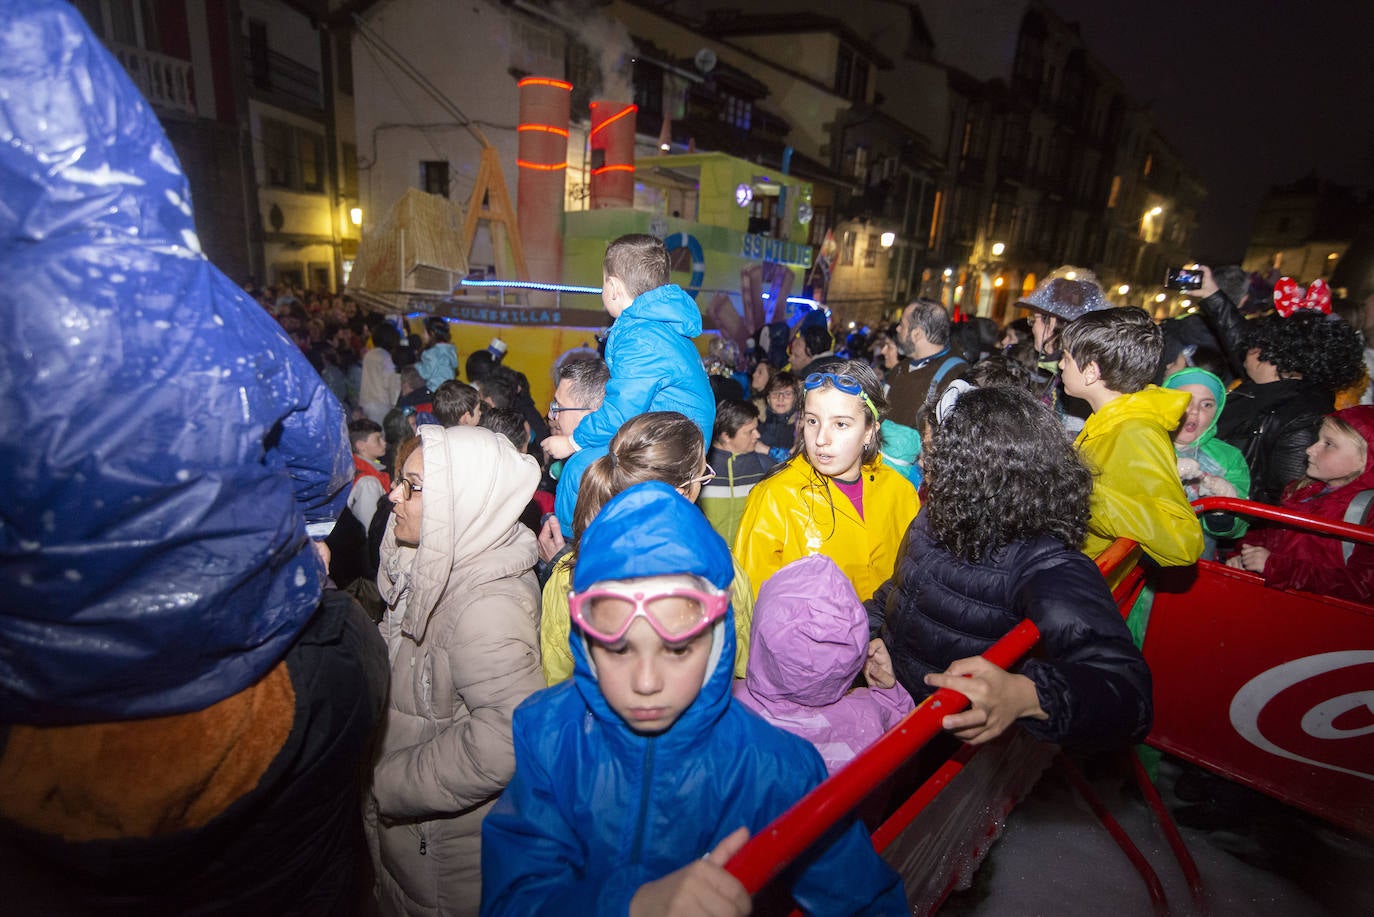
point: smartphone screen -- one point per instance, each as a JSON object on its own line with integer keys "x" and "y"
{"x": 1182, "y": 278}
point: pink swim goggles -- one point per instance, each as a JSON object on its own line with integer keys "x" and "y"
{"x": 677, "y": 614}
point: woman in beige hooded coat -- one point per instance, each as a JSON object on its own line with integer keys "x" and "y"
{"x": 461, "y": 627}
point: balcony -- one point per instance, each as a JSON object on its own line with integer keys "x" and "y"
{"x": 276, "y": 73}
{"x": 165, "y": 82}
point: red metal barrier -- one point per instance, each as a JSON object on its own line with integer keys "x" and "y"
{"x": 768, "y": 852}
{"x": 1268, "y": 687}
{"x": 1344, "y": 530}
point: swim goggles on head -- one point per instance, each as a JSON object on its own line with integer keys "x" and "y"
{"x": 847, "y": 384}
{"x": 677, "y": 614}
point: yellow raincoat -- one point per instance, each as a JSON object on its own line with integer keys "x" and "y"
{"x": 796, "y": 513}
{"x": 555, "y": 622}
{"x": 1137, "y": 493}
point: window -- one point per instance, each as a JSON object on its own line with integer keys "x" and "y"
{"x": 343, "y": 50}
{"x": 648, "y": 80}
{"x": 293, "y": 157}
{"x": 434, "y": 177}
{"x": 278, "y": 154}
{"x": 851, "y": 74}
{"x": 311, "y": 149}
{"x": 871, "y": 250}
{"x": 259, "y": 63}
{"x": 348, "y": 179}
{"x": 844, "y": 71}
{"x": 847, "y": 240}
{"x": 736, "y": 111}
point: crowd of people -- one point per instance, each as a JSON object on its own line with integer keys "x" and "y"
{"x": 354, "y": 624}
{"x": 884, "y": 510}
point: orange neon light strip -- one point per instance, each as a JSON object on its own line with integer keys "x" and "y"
{"x": 544, "y": 81}
{"x": 627, "y": 110}
{"x": 542, "y": 166}
{"x": 546, "y": 128}
{"x": 615, "y": 168}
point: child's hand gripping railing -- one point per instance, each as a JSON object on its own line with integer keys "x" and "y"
{"x": 770, "y": 851}
{"x": 777, "y": 845}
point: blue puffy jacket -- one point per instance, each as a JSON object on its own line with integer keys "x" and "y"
{"x": 166, "y": 444}
{"x": 596, "y": 810}
{"x": 654, "y": 367}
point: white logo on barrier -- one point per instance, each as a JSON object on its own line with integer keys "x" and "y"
{"x": 1317, "y": 722}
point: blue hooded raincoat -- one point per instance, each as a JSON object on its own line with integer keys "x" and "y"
{"x": 166, "y": 445}
{"x": 654, "y": 367}
{"x": 596, "y": 810}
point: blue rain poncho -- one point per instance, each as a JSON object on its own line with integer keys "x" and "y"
{"x": 166, "y": 443}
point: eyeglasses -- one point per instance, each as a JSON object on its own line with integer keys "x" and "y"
{"x": 555, "y": 409}
{"x": 408, "y": 488}
{"x": 845, "y": 383}
{"x": 706, "y": 477}
{"x": 677, "y": 615}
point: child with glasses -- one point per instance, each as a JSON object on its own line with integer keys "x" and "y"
{"x": 638, "y": 780}
{"x": 834, "y": 496}
{"x": 660, "y": 446}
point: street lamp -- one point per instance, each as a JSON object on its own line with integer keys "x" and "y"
{"x": 1155, "y": 211}
{"x": 998, "y": 248}
{"x": 1123, "y": 289}
{"x": 887, "y": 239}
{"x": 355, "y": 214}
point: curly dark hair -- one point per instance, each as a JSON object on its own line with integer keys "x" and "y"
{"x": 1325, "y": 351}
{"x": 999, "y": 470}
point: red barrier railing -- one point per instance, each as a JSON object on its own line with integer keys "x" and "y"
{"x": 1343, "y": 530}
{"x": 772, "y": 849}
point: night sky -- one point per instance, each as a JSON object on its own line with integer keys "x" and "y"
{"x": 1251, "y": 93}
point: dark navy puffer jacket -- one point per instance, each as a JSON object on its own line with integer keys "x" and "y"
{"x": 937, "y": 608}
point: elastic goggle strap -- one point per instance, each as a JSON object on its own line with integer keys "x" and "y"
{"x": 847, "y": 384}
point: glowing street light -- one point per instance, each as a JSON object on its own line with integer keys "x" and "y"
{"x": 1123, "y": 289}
{"x": 998, "y": 282}
{"x": 1161, "y": 297}
{"x": 998, "y": 248}
{"x": 1155, "y": 211}
{"x": 949, "y": 272}
{"x": 887, "y": 239}
{"x": 355, "y": 214}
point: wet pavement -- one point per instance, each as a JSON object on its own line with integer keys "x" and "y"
{"x": 1256, "y": 857}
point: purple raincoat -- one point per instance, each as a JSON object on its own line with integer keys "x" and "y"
{"x": 809, "y": 641}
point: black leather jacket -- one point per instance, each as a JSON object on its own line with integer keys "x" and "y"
{"x": 1271, "y": 424}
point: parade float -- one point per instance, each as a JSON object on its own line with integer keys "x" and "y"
{"x": 736, "y": 234}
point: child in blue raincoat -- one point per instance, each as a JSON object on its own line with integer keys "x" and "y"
{"x": 636, "y": 781}
{"x": 654, "y": 364}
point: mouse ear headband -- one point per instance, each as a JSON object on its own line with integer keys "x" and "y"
{"x": 1289, "y": 297}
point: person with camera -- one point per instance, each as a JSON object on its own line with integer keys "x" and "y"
{"x": 1295, "y": 361}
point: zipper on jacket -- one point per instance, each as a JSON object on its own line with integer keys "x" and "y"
{"x": 644, "y": 800}
{"x": 424, "y": 848}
